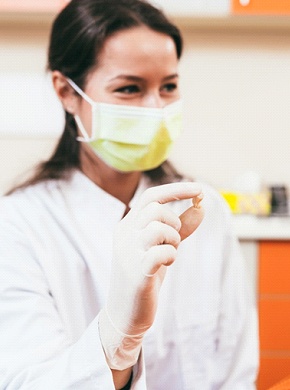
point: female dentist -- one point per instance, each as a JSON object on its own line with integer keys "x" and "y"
{"x": 112, "y": 275}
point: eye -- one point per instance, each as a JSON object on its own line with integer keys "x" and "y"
{"x": 128, "y": 89}
{"x": 170, "y": 87}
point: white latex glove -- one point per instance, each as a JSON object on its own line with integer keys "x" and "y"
{"x": 145, "y": 242}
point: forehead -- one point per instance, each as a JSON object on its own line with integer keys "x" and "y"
{"x": 137, "y": 48}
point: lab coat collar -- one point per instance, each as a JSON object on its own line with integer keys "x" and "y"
{"x": 82, "y": 185}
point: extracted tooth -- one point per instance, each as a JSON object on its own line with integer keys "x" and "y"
{"x": 196, "y": 201}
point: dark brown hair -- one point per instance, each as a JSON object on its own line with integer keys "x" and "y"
{"x": 78, "y": 34}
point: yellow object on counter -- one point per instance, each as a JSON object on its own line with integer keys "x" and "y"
{"x": 244, "y": 203}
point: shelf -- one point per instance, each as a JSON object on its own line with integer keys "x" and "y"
{"x": 45, "y": 17}
{"x": 27, "y": 19}
{"x": 234, "y": 22}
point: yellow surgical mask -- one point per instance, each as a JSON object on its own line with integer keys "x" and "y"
{"x": 131, "y": 138}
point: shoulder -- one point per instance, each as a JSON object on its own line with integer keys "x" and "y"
{"x": 47, "y": 200}
{"x": 22, "y": 196}
{"x": 29, "y": 201}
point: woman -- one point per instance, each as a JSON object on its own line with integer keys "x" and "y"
{"x": 102, "y": 283}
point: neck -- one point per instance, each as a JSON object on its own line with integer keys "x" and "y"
{"x": 118, "y": 184}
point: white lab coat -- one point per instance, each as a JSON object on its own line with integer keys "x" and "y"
{"x": 55, "y": 259}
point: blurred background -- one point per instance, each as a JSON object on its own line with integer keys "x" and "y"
{"x": 235, "y": 78}
{"x": 235, "y": 83}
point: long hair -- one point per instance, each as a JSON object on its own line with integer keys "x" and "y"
{"x": 78, "y": 35}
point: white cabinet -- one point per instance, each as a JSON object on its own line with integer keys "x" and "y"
{"x": 194, "y": 8}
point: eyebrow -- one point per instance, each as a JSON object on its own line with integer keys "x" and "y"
{"x": 136, "y": 78}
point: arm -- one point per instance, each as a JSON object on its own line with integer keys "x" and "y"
{"x": 35, "y": 350}
{"x": 145, "y": 243}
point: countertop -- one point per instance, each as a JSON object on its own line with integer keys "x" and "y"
{"x": 248, "y": 227}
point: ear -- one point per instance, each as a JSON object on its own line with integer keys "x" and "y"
{"x": 65, "y": 92}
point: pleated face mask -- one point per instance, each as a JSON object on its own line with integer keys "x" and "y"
{"x": 131, "y": 138}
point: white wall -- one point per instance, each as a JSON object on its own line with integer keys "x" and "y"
{"x": 236, "y": 89}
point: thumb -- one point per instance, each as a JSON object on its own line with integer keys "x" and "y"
{"x": 191, "y": 218}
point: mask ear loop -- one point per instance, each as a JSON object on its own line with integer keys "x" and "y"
{"x": 80, "y": 91}
{"x": 85, "y": 137}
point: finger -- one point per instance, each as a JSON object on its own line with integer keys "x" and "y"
{"x": 168, "y": 193}
{"x": 157, "y": 256}
{"x": 158, "y": 212}
{"x": 190, "y": 220}
{"x": 158, "y": 233}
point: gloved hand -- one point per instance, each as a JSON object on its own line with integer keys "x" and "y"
{"x": 145, "y": 243}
